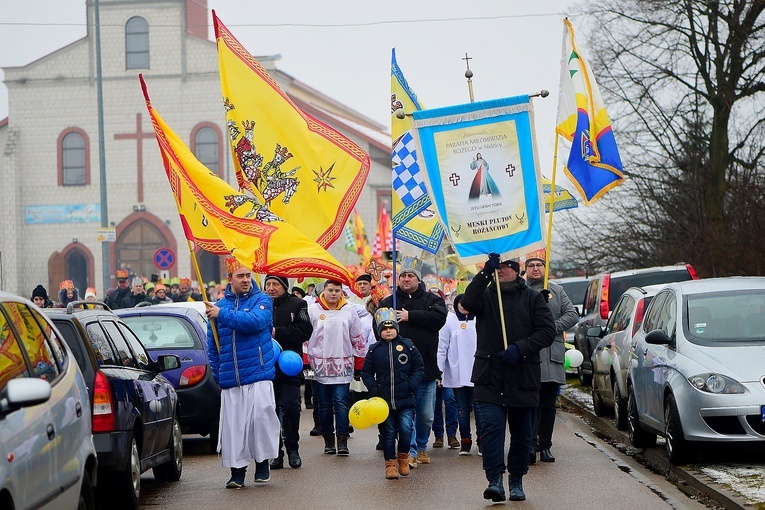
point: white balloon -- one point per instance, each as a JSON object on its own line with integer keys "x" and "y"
{"x": 575, "y": 357}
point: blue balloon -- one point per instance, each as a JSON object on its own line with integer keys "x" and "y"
{"x": 291, "y": 363}
{"x": 277, "y": 348}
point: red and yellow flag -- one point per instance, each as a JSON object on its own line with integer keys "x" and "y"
{"x": 384, "y": 235}
{"x": 362, "y": 243}
{"x": 213, "y": 212}
{"x": 301, "y": 169}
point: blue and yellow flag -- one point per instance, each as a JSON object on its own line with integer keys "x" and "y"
{"x": 300, "y": 169}
{"x": 414, "y": 216}
{"x": 593, "y": 165}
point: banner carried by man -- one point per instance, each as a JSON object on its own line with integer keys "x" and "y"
{"x": 481, "y": 168}
{"x": 302, "y": 170}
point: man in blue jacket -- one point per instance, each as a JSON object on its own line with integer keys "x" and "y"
{"x": 244, "y": 367}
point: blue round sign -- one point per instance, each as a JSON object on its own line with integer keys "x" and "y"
{"x": 164, "y": 258}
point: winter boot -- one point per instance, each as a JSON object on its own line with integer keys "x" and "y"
{"x": 237, "y": 478}
{"x": 391, "y": 473}
{"x": 316, "y": 430}
{"x": 262, "y": 472}
{"x": 439, "y": 442}
{"x": 495, "y": 491}
{"x": 403, "y": 463}
{"x": 329, "y": 445}
{"x": 278, "y": 462}
{"x": 342, "y": 446}
{"x": 465, "y": 445}
{"x": 453, "y": 442}
{"x": 516, "y": 488}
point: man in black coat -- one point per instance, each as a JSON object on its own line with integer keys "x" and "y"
{"x": 506, "y": 371}
{"x": 420, "y": 315}
{"x": 115, "y": 296}
{"x": 292, "y": 327}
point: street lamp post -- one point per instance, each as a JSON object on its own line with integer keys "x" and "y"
{"x": 105, "y": 263}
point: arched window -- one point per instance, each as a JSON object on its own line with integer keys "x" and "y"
{"x": 137, "y": 43}
{"x": 206, "y": 145}
{"x": 73, "y": 158}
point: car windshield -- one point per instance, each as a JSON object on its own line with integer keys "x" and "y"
{"x": 163, "y": 332}
{"x": 575, "y": 291}
{"x": 737, "y": 316}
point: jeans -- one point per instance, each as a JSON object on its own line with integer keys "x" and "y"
{"x": 494, "y": 421}
{"x": 544, "y": 418}
{"x": 334, "y": 404}
{"x": 445, "y": 398}
{"x": 425, "y": 405}
{"x": 287, "y": 393}
{"x": 399, "y": 422}
{"x": 465, "y": 404}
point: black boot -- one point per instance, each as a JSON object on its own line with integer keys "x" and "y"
{"x": 495, "y": 491}
{"x": 316, "y": 430}
{"x": 237, "y": 478}
{"x": 342, "y": 446}
{"x": 294, "y": 459}
{"x": 278, "y": 462}
{"x": 515, "y": 483}
{"x": 379, "y": 445}
{"x": 532, "y": 456}
{"x": 329, "y": 445}
{"x": 546, "y": 455}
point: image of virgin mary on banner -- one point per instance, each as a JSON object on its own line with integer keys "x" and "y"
{"x": 481, "y": 166}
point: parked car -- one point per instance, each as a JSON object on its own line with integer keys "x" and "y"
{"x": 604, "y": 290}
{"x": 575, "y": 288}
{"x": 136, "y": 414}
{"x": 611, "y": 357}
{"x": 697, "y": 372}
{"x": 182, "y": 330}
{"x": 49, "y": 461}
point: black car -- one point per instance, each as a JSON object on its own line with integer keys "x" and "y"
{"x": 136, "y": 413}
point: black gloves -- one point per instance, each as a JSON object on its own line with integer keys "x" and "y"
{"x": 357, "y": 375}
{"x": 511, "y": 355}
{"x": 493, "y": 263}
{"x": 545, "y": 294}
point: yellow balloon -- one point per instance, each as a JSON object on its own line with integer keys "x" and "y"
{"x": 357, "y": 415}
{"x": 376, "y": 410}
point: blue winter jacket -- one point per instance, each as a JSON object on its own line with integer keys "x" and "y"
{"x": 393, "y": 371}
{"x": 244, "y": 331}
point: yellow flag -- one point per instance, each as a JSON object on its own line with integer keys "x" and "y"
{"x": 301, "y": 169}
{"x": 211, "y": 209}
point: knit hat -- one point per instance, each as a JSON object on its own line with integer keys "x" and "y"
{"x": 364, "y": 278}
{"x": 282, "y": 280}
{"x": 299, "y": 291}
{"x": 90, "y": 292}
{"x": 40, "y": 292}
{"x": 386, "y": 318}
{"x": 512, "y": 264}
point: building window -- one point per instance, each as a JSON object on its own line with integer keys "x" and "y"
{"x": 73, "y": 158}
{"x": 137, "y": 43}
{"x": 206, "y": 146}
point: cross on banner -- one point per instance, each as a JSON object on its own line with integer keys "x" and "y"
{"x": 138, "y": 136}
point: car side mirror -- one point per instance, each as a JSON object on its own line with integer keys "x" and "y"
{"x": 168, "y": 362}
{"x": 23, "y": 392}
{"x": 595, "y": 331}
{"x": 658, "y": 337}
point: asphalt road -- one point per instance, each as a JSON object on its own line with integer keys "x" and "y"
{"x": 588, "y": 474}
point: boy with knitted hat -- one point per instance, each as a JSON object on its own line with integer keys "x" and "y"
{"x": 392, "y": 371}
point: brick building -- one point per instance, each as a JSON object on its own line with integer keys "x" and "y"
{"x": 50, "y": 198}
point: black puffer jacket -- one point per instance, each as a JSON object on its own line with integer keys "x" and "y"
{"x": 427, "y": 315}
{"x": 392, "y": 371}
{"x": 293, "y": 327}
{"x": 529, "y": 325}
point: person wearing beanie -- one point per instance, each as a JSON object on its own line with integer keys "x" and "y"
{"x": 40, "y": 297}
{"x": 292, "y": 327}
{"x": 552, "y": 358}
{"x": 297, "y": 291}
{"x": 67, "y": 293}
{"x": 90, "y": 294}
{"x": 506, "y": 374}
{"x": 393, "y": 369}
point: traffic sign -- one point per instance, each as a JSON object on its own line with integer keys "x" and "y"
{"x": 164, "y": 258}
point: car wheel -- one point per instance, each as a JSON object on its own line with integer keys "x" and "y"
{"x": 214, "y": 436}
{"x": 638, "y": 437}
{"x": 584, "y": 379}
{"x": 677, "y": 447}
{"x": 597, "y": 402}
{"x": 620, "y": 408}
{"x": 87, "y": 498}
{"x": 124, "y": 488}
{"x": 171, "y": 470}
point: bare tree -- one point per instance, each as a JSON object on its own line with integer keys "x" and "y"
{"x": 684, "y": 82}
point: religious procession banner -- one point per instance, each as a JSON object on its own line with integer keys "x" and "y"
{"x": 213, "y": 212}
{"x": 299, "y": 168}
{"x": 482, "y": 169}
{"x": 414, "y": 216}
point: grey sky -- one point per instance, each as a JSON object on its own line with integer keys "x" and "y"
{"x": 342, "y": 48}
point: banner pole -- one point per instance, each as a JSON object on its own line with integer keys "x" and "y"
{"x": 501, "y": 310}
{"x": 203, "y": 289}
{"x": 552, "y": 209}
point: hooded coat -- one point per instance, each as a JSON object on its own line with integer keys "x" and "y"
{"x": 63, "y": 300}
{"x": 392, "y": 371}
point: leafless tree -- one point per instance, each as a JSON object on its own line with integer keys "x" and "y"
{"x": 684, "y": 83}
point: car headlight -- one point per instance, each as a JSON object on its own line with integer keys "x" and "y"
{"x": 716, "y": 383}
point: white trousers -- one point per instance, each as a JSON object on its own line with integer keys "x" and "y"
{"x": 249, "y": 426}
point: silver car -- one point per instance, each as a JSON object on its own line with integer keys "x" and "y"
{"x": 697, "y": 372}
{"x": 49, "y": 461}
{"x": 611, "y": 357}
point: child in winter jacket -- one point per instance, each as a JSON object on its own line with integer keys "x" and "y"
{"x": 392, "y": 370}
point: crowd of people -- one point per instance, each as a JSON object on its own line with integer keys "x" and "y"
{"x": 494, "y": 352}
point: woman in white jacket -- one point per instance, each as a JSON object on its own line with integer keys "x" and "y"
{"x": 456, "y": 349}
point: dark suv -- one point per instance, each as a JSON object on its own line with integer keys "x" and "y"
{"x": 136, "y": 414}
{"x": 604, "y": 292}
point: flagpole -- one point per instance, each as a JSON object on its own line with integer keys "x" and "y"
{"x": 552, "y": 208}
{"x": 204, "y": 292}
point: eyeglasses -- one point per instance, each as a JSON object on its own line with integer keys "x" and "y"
{"x": 536, "y": 265}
